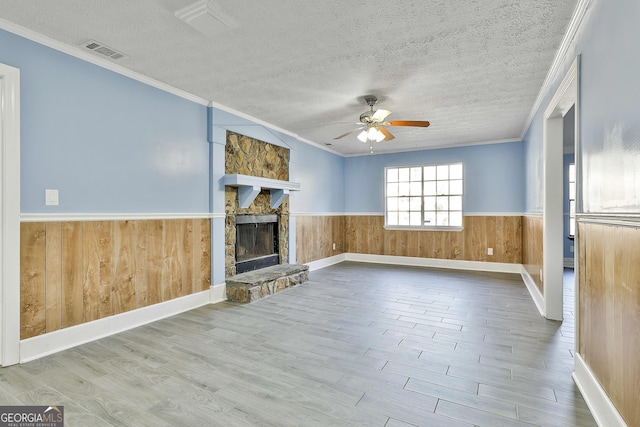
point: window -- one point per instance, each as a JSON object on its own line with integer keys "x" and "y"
{"x": 424, "y": 196}
{"x": 572, "y": 200}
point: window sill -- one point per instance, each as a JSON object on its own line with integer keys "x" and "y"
{"x": 408, "y": 228}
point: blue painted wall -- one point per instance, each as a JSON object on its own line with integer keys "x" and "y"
{"x": 609, "y": 116}
{"x": 610, "y": 110}
{"x": 321, "y": 177}
{"x": 106, "y": 142}
{"x": 493, "y": 181}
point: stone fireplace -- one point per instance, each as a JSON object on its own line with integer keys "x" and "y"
{"x": 249, "y": 156}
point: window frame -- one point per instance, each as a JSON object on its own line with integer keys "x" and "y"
{"x": 423, "y": 227}
{"x": 572, "y": 216}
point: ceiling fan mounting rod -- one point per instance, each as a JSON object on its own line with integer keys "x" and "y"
{"x": 371, "y": 100}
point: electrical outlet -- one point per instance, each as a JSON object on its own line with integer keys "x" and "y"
{"x": 334, "y": 246}
{"x": 541, "y": 279}
{"x": 456, "y": 251}
{"x": 571, "y": 248}
{"x": 489, "y": 251}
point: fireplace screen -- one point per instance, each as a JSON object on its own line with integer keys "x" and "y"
{"x": 256, "y": 242}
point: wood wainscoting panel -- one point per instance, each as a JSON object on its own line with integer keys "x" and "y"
{"x": 142, "y": 264}
{"x": 98, "y": 269}
{"x": 511, "y": 239}
{"x": 532, "y": 248}
{"x": 72, "y": 274}
{"x": 581, "y": 230}
{"x": 76, "y": 272}
{"x": 32, "y": 279}
{"x": 595, "y": 325}
{"x": 204, "y": 249}
{"x": 609, "y": 306}
{"x": 315, "y": 236}
{"x": 125, "y": 257}
{"x": 177, "y": 268}
{"x": 53, "y": 277}
{"x": 155, "y": 262}
{"x": 627, "y": 287}
{"x": 365, "y": 234}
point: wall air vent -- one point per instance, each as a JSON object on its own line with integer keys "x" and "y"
{"x": 102, "y": 49}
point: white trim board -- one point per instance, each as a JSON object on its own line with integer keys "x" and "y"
{"x": 382, "y": 214}
{"x": 218, "y": 293}
{"x": 9, "y": 215}
{"x": 601, "y": 407}
{"x": 53, "y": 342}
{"x": 454, "y": 264}
{"x": 535, "y": 293}
{"x": 299, "y": 214}
{"x": 326, "y": 262}
{"x": 64, "y": 217}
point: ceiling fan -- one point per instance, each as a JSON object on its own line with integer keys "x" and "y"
{"x": 372, "y": 124}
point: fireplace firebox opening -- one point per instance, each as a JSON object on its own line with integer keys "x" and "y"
{"x": 256, "y": 242}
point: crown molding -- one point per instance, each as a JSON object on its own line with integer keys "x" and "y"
{"x": 270, "y": 127}
{"x": 77, "y": 52}
{"x": 435, "y": 147}
{"x": 574, "y": 25}
{"x": 67, "y": 217}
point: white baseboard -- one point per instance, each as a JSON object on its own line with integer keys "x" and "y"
{"x": 53, "y": 342}
{"x": 326, "y": 262}
{"x": 218, "y": 293}
{"x": 567, "y": 262}
{"x": 535, "y": 293}
{"x": 436, "y": 263}
{"x": 602, "y": 409}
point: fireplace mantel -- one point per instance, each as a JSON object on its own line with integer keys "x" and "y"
{"x": 250, "y": 186}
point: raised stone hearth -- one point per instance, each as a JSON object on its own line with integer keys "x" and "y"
{"x": 253, "y": 285}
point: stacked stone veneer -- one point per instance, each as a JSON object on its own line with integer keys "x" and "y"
{"x": 253, "y": 285}
{"x": 249, "y": 156}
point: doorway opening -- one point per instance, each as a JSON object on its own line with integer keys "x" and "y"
{"x": 564, "y": 100}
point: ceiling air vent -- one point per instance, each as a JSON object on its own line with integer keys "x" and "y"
{"x": 207, "y": 17}
{"x": 102, "y": 49}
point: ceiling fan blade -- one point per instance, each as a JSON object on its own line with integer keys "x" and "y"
{"x": 418, "y": 123}
{"x": 388, "y": 136}
{"x": 380, "y": 115}
{"x": 348, "y": 133}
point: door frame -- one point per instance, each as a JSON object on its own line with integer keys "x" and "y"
{"x": 9, "y": 215}
{"x": 564, "y": 98}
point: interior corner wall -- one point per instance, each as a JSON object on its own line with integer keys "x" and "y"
{"x": 493, "y": 200}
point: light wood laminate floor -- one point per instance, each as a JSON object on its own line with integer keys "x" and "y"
{"x": 359, "y": 344}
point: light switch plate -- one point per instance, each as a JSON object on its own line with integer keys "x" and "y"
{"x": 51, "y": 197}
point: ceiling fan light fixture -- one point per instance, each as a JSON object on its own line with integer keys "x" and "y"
{"x": 363, "y": 136}
{"x": 374, "y": 134}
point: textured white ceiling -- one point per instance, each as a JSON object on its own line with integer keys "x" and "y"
{"x": 472, "y": 67}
